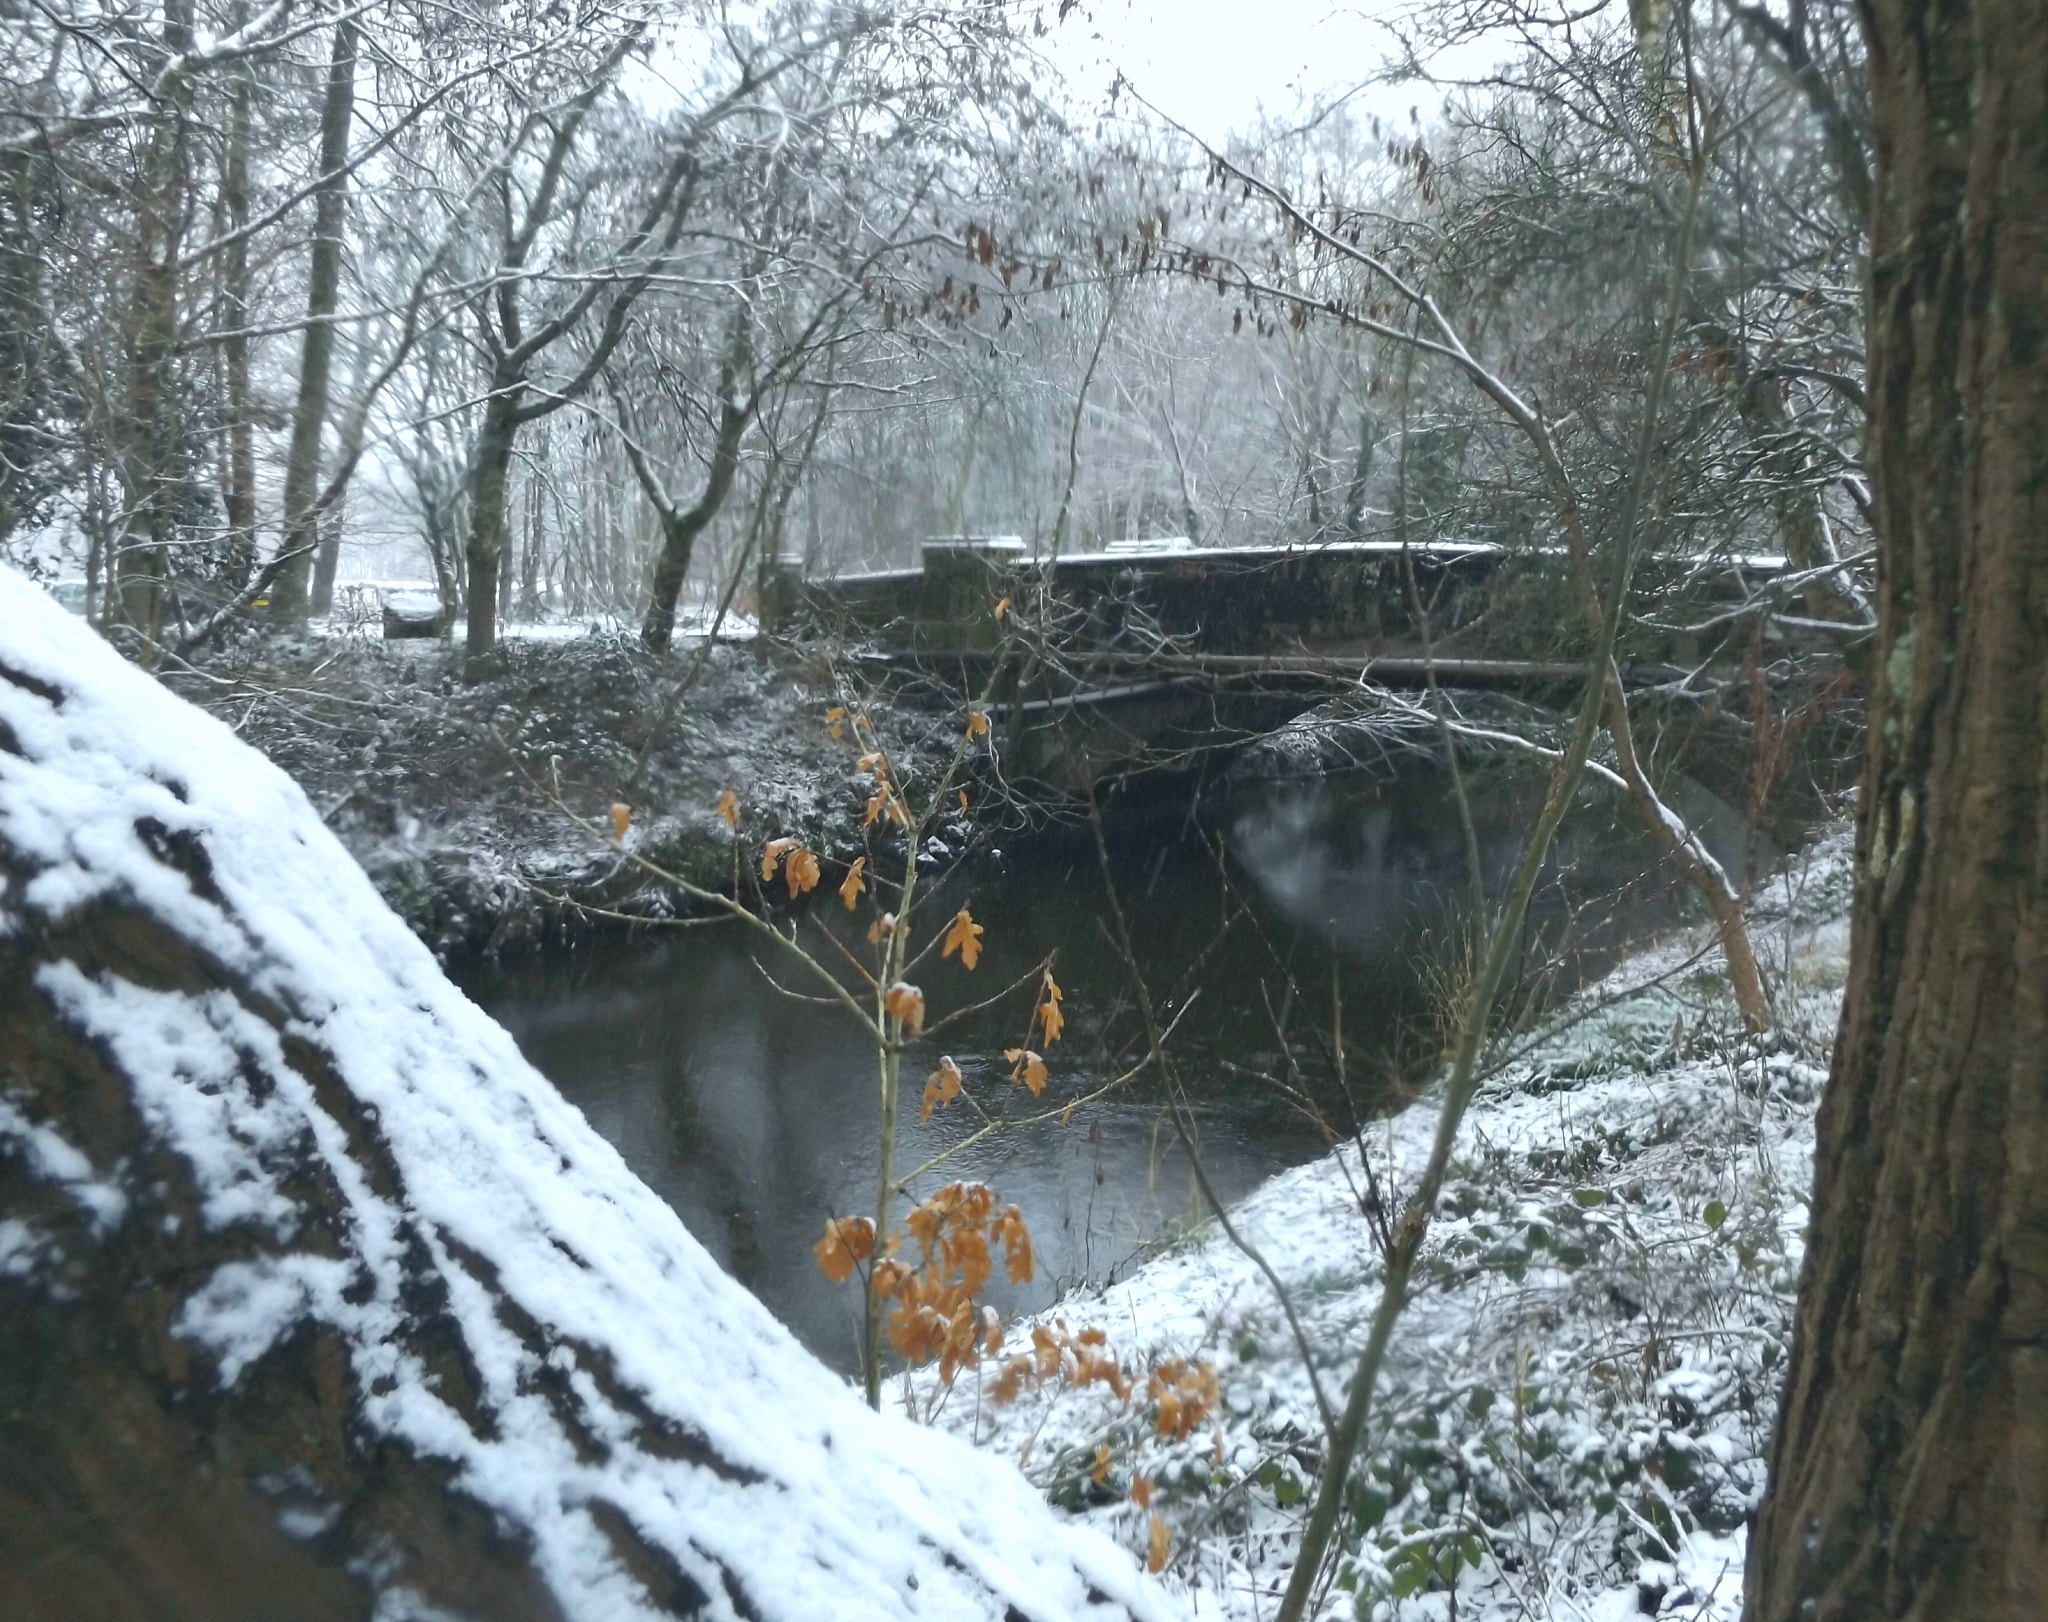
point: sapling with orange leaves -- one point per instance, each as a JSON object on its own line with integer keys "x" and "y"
{"x": 926, "y": 1309}
{"x": 922, "y": 1279}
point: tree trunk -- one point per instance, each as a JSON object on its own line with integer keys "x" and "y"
{"x": 327, "y": 562}
{"x": 535, "y": 536}
{"x": 679, "y": 530}
{"x": 323, "y": 276}
{"x": 1910, "y": 1471}
{"x": 97, "y": 544}
{"x": 239, "y": 498}
{"x": 1685, "y": 851}
{"x": 488, "y": 473}
{"x": 152, "y": 460}
{"x": 1361, "y": 474}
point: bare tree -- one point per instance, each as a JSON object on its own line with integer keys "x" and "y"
{"x": 323, "y": 287}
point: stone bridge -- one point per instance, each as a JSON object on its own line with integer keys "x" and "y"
{"x": 1098, "y": 664}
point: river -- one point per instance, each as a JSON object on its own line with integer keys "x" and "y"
{"x": 754, "y": 1113}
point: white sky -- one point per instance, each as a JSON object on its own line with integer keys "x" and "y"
{"x": 1214, "y": 65}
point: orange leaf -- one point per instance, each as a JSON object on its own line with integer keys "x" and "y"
{"x": 847, "y": 1240}
{"x": 1009, "y": 1381}
{"x": 942, "y": 1086}
{"x": 965, "y": 938}
{"x": 884, "y": 925}
{"x": 1049, "y": 1014}
{"x": 1141, "y": 1492}
{"x": 1067, "y": 1114}
{"x": 1101, "y": 1469}
{"x": 963, "y": 802}
{"x": 905, "y": 1002}
{"x": 801, "y": 870}
{"x": 977, "y": 723}
{"x": 1028, "y": 1068}
{"x": 892, "y": 1276}
{"x": 851, "y": 885}
{"x": 1169, "y": 1414}
{"x": 1016, "y": 1238}
{"x": 1155, "y": 1558}
{"x": 772, "y": 853}
{"x": 835, "y": 718}
{"x": 1002, "y": 608}
{"x": 622, "y": 814}
{"x": 728, "y": 808}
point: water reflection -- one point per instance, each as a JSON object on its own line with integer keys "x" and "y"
{"x": 754, "y": 1113}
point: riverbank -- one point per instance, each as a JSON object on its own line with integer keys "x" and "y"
{"x": 1575, "y": 1413}
{"x": 462, "y": 800}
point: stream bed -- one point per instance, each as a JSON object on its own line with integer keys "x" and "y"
{"x": 754, "y": 1112}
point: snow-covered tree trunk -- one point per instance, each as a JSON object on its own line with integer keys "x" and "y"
{"x": 317, "y": 1301}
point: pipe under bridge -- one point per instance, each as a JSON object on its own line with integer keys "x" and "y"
{"x": 1101, "y": 664}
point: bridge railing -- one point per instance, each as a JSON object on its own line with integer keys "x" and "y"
{"x": 1479, "y": 600}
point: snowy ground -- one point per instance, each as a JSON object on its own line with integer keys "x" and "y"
{"x": 1575, "y": 1414}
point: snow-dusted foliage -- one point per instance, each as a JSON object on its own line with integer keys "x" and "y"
{"x": 348, "y": 1153}
{"x": 1575, "y": 1413}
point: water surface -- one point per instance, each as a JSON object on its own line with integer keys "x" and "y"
{"x": 754, "y": 1113}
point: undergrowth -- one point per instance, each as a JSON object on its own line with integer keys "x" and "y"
{"x": 1576, "y": 1415}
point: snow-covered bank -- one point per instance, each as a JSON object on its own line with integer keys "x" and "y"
{"x": 1574, "y": 1417}
{"x": 444, "y": 788}
{"x": 316, "y": 1297}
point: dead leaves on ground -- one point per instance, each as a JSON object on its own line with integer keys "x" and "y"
{"x": 1155, "y": 1546}
{"x": 1184, "y": 1393}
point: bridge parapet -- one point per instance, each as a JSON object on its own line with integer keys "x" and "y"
{"x": 1230, "y": 600}
{"x": 1480, "y": 601}
{"x": 1171, "y": 653}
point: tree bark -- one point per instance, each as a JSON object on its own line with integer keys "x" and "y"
{"x": 152, "y": 441}
{"x": 679, "y": 530}
{"x": 1909, "y": 1476}
{"x": 680, "y": 527}
{"x": 309, "y": 417}
{"x": 239, "y": 496}
{"x": 486, "y": 544}
{"x": 333, "y": 523}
